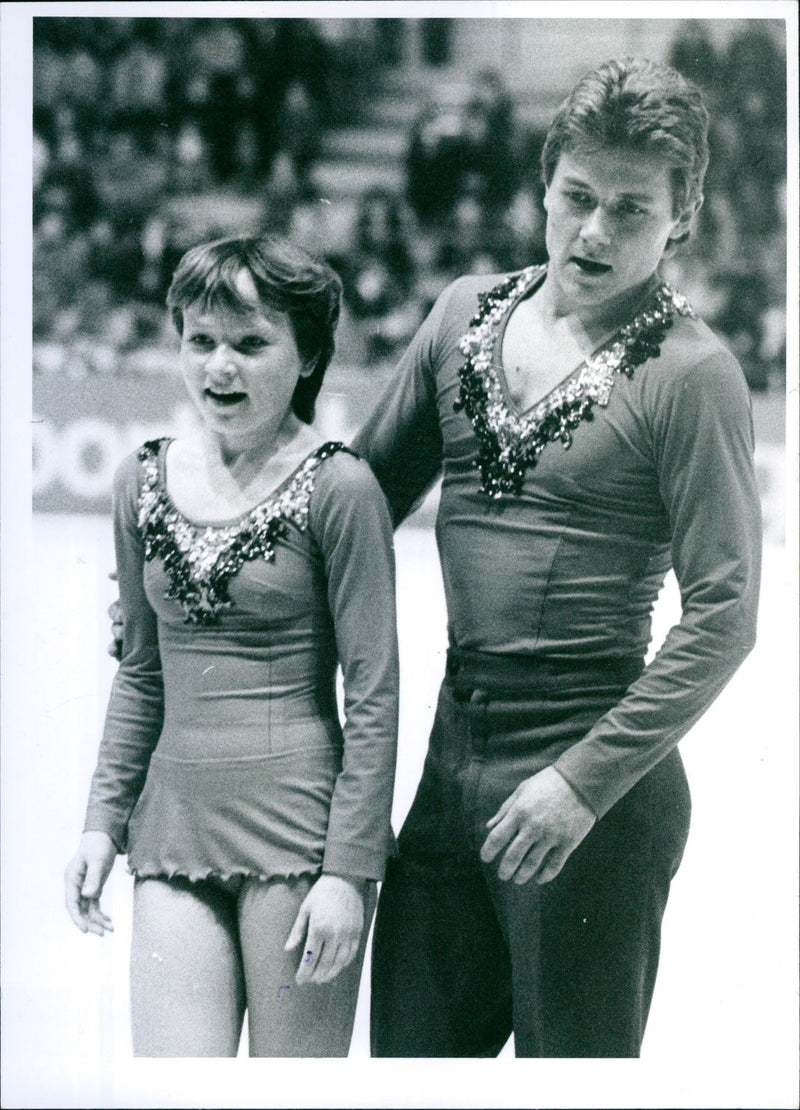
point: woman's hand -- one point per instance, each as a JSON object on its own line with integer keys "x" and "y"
{"x": 84, "y": 880}
{"x": 330, "y": 920}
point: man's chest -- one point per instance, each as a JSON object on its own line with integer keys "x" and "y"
{"x": 532, "y": 359}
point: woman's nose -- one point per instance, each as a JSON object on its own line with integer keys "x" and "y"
{"x": 221, "y": 361}
{"x": 595, "y": 227}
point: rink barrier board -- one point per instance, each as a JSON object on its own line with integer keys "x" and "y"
{"x": 83, "y": 428}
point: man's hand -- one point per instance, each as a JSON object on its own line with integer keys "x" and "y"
{"x": 539, "y": 826}
{"x": 117, "y": 624}
{"x": 330, "y": 921}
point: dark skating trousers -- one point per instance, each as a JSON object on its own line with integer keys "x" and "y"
{"x": 461, "y": 959}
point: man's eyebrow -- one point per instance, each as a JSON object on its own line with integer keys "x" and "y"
{"x": 643, "y": 196}
{"x": 636, "y": 196}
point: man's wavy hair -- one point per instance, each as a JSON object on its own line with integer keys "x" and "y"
{"x": 286, "y": 278}
{"x": 640, "y": 106}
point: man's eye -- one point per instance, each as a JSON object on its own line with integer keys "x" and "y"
{"x": 578, "y": 199}
{"x": 628, "y": 208}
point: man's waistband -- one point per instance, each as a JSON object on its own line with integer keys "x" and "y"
{"x": 524, "y": 674}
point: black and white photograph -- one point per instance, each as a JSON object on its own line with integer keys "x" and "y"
{"x": 399, "y": 494}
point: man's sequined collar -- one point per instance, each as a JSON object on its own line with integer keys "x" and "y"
{"x": 510, "y": 443}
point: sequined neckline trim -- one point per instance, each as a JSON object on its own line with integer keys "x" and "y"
{"x": 509, "y": 443}
{"x": 201, "y": 559}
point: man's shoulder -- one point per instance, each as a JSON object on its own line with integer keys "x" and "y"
{"x": 691, "y": 346}
{"x": 693, "y": 367}
{"x": 465, "y": 291}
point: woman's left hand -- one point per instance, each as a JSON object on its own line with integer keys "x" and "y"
{"x": 330, "y": 920}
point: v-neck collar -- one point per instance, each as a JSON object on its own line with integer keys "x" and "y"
{"x": 230, "y": 522}
{"x": 497, "y": 350}
{"x": 510, "y": 441}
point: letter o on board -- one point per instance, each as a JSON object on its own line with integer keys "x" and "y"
{"x": 89, "y": 455}
{"x": 45, "y": 454}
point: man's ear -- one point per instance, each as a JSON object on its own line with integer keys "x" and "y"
{"x": 682, "y": 227}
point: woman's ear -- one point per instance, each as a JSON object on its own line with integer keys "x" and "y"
{"x": 309, "y": 367}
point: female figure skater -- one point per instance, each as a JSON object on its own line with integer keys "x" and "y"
{"x": 252, "y": 558}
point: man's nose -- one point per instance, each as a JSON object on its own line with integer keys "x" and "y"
{"x": 595, "y": 227}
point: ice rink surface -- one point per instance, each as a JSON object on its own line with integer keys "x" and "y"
{"x": 723, "y": 1028}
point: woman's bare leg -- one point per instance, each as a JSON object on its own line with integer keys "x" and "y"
{"x": 187, "y": 989}
{"x": 286, "y": 1019}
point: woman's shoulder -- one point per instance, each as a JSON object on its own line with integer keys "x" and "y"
{"x": 345, "y": 489}
{"x": 342, "y": 470}
{"x": 146, "y": 456}
{"x": 136, "y": 468}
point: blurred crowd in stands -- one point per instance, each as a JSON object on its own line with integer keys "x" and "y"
{"x": 150, "y": 134}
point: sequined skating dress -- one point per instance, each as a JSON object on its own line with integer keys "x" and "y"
{"x": 222, "y": 753}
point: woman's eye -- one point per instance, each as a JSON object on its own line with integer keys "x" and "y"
{"x": 251, "y": 344}
{"x": 201, "y": 342}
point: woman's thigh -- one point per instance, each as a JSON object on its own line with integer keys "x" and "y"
{"x": 284, "y": 1017}
{"x": 187, "y": 988}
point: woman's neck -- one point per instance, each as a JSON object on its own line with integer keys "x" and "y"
{"x": 246, "y": 458}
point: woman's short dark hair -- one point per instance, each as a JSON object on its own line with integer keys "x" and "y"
{"x": 286, "y": 278}
{"x": 642, "y": 106}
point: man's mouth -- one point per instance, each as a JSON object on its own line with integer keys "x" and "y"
{"x": 230, "y": 398}
{"x": 590, "y": 265}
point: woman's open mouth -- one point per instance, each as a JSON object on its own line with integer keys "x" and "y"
{"x": 590, "y": 266}
{"x": 227, "y": 399}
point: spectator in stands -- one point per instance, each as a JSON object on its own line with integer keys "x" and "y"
{"x": 521, "y": 235}
{"x": 378, "y": 273}
{"x": 129, "y": 179}
{"x": 381, "y": 268}
{"x": 137, "y": 82}
{"x": 82, "y": 84}
{"x": 298, "y": 131}
{"x": 433, "y": 162}
{"x": 694, "y": 55}
{"x": 190, "y": 171}
{"x": 468, "y": 242}
{"x": 67, "y": 182}
{"x": 60, "y": 267}
{"x": 492, "y": 122}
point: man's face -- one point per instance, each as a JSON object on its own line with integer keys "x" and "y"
{"x": 609, "y": 219}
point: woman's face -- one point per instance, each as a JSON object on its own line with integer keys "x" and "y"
{"x": 240, "y": 365}
{"x": 609, "y": 220}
